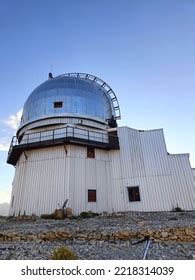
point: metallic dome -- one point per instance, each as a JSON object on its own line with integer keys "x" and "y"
{"x": 81, "y": 95}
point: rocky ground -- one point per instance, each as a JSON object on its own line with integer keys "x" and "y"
{"x": 102, "y": 237}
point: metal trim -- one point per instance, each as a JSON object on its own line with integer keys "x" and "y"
{"x": 103, "y": 84}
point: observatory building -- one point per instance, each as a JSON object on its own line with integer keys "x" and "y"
{"x": 68, "y": 146}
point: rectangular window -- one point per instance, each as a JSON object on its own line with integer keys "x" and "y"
{"x": 133, "y": 193}
{"x": 58, "y": 104}
{"x": 90, "y": 152}
{"x": 92, "y": 196}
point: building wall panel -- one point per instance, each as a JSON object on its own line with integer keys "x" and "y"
{"x": 143, "y": 161}
{"x": 45, "y": 178}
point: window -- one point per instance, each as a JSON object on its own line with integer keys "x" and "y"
{"x": 91, "y": 195}
{"x": 133, "y": 193}
{"x": 58, "y": 104}
{"x": 90, "y": 152}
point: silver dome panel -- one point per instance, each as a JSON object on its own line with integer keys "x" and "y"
{"x": 82, "y": 95}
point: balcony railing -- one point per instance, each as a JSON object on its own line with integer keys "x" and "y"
{"x": 58, "y": 136}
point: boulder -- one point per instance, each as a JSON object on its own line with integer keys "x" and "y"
{"x": 32, "y": 237}
{"x": 164, "y": 234}
{"x": 122, "y": 234}
{"x": 16, "y": 238}
{"x": 97, "y": 236}
{"x": 69, "y": 212}
{"x": 81, "y": 236}
{"x": 141, "y": 223}
{"x": 190, "y": 232}
{"x": 150, "y": 232}
{"x": 173, "y": 237}
{"x": 59, "y": 214}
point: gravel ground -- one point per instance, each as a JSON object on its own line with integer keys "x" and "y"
{"x": 129, "y": 220}
{"x": 97, "y": 250}
{"x": 100, "y": 249}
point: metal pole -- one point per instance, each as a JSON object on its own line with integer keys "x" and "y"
{"x": 146, "y": 250}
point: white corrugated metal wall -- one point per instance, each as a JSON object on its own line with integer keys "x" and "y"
{"x": 44, "y": 178}
{"x": 41, "y": 181}
{"x": 47, "y": 177}
{"x": 193, "y": 173}
{"x": 164, "y": 180}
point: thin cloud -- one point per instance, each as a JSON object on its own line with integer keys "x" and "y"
{"x": 4, "y": 143}
{"x": 12, "y": 124}
{"x": 4, "y": 195}
{"x": 4, "y": 147}
{"x": 13, "y": 121}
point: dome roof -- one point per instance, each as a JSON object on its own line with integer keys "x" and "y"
{"x": 71, "y": 95}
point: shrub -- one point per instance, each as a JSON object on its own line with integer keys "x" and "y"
{"x": 47, "y": 216}
{"x": 63, "y": 253}
{"x": 58, "y": 214}
{"x": 3, "y": 217}
{"x": 178, "y": 209}
{"x": 89, "y": 214}
{"x": 74, "y": 217}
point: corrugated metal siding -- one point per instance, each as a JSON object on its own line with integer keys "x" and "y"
{"x": 49, "y": 176}
{"x": 182, "y": 180}
{"x": 193, "y": 172}
{"x": 164, "y": 180}
{"x": 40, "y": 180}
{"x": 45, "y": 178}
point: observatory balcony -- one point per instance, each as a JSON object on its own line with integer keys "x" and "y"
{"x": 66, "y": 135}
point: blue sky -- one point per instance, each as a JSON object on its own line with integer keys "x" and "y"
{"x": 144, "y": 49}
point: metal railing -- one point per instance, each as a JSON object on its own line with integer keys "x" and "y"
{"x": 103, "y": 85}
{"x": 61, "y": 133}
